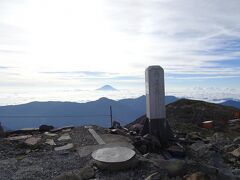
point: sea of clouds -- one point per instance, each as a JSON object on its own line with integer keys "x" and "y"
{"x": 21, "y": 96}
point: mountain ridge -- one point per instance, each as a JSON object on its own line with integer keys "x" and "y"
{"x": 92, "y": 112}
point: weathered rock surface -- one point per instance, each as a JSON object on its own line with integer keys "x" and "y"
{"x": 50, "y": 142}
{"x": 32, "y": 141}
{"x": 197, "y": 176}
{"x": 20, "y": 137}
{"x": 50, "y": 134}
{"x": 64, "y": 137}
{"x": 206, "y": 157}
{"x": 65, "y": 147}
{"x": 236, "y": 152}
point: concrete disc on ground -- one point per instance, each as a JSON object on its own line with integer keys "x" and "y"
{"x": 114, "y": 158}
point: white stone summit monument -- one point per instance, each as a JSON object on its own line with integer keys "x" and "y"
{"x": 155, "y": 103}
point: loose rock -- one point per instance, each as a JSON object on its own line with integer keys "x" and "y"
{"x": 197, "y": 176}
{"x": 236, "y": 140}
{"x": 69, "y": 176}
{"x": 50, "y": 134}
{"x": 32, "y": 141}
{"x": 64, "y": 137}
{"x": 87, "y": 173}
{"x": 66, "y": 147}
{"x": 236, "y": 152}
{"x": 175, "y": 167}
{"x": 15, "y": 138}
{"x": 50, "y": 142}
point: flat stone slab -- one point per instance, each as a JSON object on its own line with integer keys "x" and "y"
{"x": 112, "y": 140}
{"x": 61, "y": 128}
{"x": 113, "y": 154}
{"x": 65, "y": 147}
{"x": 50, "y": 134}
{"x": 32, "y": 141}
{"x": 96, "y": 136}
{"x": 50, "y": 142}
{"x": 115, "y": 158}
{"x": 15, "y": 138}
{"x": 87, "y": 150}
{"x": 66, "y": 130}
{"x": 64, "y": 137}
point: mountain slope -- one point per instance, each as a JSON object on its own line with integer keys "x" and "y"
{"x": 198, "y": 111}
{"x": 70, "y": 113}
{"x": 232, "y": 103}
{"x": 193, "y": 111}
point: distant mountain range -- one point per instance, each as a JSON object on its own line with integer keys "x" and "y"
{"x": 233, "y": 103}
{"x": 70, "y": 113}
{"x": 107, "y": 88}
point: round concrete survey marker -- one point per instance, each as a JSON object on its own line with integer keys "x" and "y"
{"x": 114, "y": 158}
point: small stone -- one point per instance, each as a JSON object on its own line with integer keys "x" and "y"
{"x": 193, "y": 136}
{"x": 66, "y": 130}
{"x": 197, "y": 176}
{"x": 228, "y": 148}
{"x": 143, "y": 149}
{"x": 44, "y": 128}
{"x": 236, "y": 172}
{"x": 176, "y": 151}
{"x": 50, "y": 134}
{"x": 64, "y": 137}
{"x": 218, "y": 136}
{"x": 153, "y": 176}
{"x": 200, "y": 148}
{"x": 28, "y": 151}
{"x": 61, "y": 128}
{"x": 15, "y": 138}
{"x": 68, "y": 176}
{"x": 175, "y": 167}
{"x": 65, "y": 147}
{"x": 87, "y": 173}
{"x": 50, "y": 142}
{"x": 32, "y": 141}
{"x": 236, "y": 140}
{"x": 136, "y": 127}
{"x": 236, "y": 152}
{"x": 153, "y": 142}
{"x": 114, "y": 131}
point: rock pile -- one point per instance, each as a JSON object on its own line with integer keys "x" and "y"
{"x": 53, "y": 154}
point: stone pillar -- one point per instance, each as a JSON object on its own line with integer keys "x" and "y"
{"x": 155, "y": 103}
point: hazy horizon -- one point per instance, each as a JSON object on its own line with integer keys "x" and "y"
{"x": 20, "y": 96}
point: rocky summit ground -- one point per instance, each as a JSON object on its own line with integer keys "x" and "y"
{"x": 57, "y": 154}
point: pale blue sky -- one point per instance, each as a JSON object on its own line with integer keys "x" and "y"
{"x": 89, "y": 43}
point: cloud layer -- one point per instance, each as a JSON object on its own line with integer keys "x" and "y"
{"x": 88, "y": 43}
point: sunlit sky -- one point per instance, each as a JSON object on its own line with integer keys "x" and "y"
{"x": 81, "y": 44}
